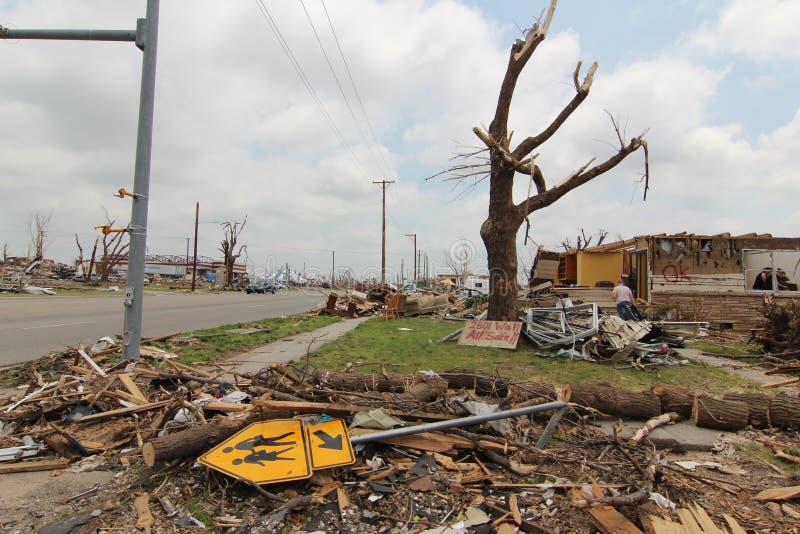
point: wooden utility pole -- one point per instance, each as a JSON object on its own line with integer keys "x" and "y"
{"x": 383, "y": 184}
{"x": 414, "y": 237}
{"x": 194, "y": 260}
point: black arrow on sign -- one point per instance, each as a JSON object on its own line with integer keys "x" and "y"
{"x": 328, "y": 441}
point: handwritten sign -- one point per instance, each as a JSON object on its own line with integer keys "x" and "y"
{"x": 500, "y": 334}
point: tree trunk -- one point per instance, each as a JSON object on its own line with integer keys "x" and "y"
{"x": 199, "y": 439}
{"x": 784, "y": 411}
{"x": 675, "y": 399}
{"x": 499, "y": 235}
{"x": 709, "y": 412}
{"x": 613, "y": 401}
{"x": 758, "y": 406}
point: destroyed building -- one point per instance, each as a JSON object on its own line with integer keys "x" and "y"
{"x": 712, "y": 278}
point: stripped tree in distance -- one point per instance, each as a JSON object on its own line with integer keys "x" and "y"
{"x": 499, "y": 230}
{"x": 231, "y": 231}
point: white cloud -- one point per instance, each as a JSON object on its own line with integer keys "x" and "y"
{"x": 236, "y": 130}
{"x": 761, "y": 31}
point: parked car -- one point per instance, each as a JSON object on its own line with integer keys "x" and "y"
{"x": 261, "y": 286}
{"x": 409, "y": 288}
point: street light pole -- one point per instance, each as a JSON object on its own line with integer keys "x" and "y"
{"x": 146, "y": 38}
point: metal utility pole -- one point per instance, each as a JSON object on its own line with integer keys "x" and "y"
{"x": 146, "y": 38}
{"x": 414, "y": 237}
{"x": 194, "y": 259}
{"x": 383, "y": 184}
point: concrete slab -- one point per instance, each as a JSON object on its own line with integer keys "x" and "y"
{"x": 293, "y": 347}
{"x": 733, "y": 367}
{"x": 680, "y": 437}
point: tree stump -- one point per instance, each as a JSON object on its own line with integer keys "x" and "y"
{"x": 676, "y": 399}
{"x": 719, "y": 414}
{"x": 784, "y": 411}
{"x": 758, "y": 406}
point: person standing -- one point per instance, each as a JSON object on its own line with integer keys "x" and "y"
{"x": 623, "y": 297}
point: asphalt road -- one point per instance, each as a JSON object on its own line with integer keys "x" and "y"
{"x": 32, "y": 326}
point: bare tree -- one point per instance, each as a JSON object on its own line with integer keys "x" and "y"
{"x": 5, "y": 252}
{"x": 499, "y": 230}
{"x": 232, "y": 232}
{"x": 37, "y": 228}
{"x": 80, "y": 262}
{"x": 115, "y": 249}
{"x": 458, "y": 261}
{"x": 582, "y": 242}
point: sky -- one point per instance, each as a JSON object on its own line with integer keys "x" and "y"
{"x": 293, "y": 140}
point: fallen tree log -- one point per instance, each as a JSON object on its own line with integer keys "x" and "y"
{"x": 519, "y": 392}
{"x": 198, "y": 439}
{"x": 720, "y": 414}
{"x": 613, "y": 401}
{"x": 758, "y": 407}
{"x": 493, "y": 386}
{"x": 784, "y": 411}
{"x": 675, "y": 399}
{"x": 383, "y": 382}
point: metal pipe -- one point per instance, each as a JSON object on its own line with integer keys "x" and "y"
{"x": 466, "y": 421}
{"x": 69, "y": 35}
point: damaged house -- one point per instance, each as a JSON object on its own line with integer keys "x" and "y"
{"x": 721, "y": 278}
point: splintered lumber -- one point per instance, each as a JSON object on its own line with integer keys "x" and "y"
{"x": 694, "y": 520}
{"x": 758, "y": 406}
{"x": 719, "y": 414}
{"x": 784, "y": 411}
{"x": 195, "y": 440}
{"x": 342, "y": 409}
{"x": 131, "y": 386}
{"x": 778, "y": 494}
{"x": 606, "y": 518}
{"x": 613, "y": 401}
{"x": 121, "y": 411}
{"x": 493, "y": 386}
{"x": 652, "y": 424}
{"x": 145, "y": 518}
{"x": 35, "y": 465}
{"x": 675, "y": 399}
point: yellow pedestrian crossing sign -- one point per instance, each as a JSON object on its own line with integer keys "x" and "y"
{"x": 266, "y": 452}
{"x": 329, "y": 444}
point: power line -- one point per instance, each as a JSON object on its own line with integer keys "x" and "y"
{"x": 341, "y": 89}
{"x": 355, "y": 88}
{"x": 306, "y": 81}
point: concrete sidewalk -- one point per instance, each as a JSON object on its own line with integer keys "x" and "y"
{"x": 293, "y": 347}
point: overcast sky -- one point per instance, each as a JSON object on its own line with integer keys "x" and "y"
{"x": 238, "y": 129}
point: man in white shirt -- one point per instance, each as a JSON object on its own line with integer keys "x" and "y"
{"x": 623, "y": 296}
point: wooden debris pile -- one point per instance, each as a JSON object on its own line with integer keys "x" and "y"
{"x": 160, "y": 416}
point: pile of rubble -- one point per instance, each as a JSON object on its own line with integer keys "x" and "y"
{"x": 450, "y": 452}
{"x": 581, "y": 331}
{"x": 392, "y": 304}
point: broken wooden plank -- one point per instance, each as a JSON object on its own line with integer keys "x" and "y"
{"x": 220, "y": 406}
{"x": 37, "y": 465}
{"x": 131, "y": 386}
{"x": 607, "y": 519}
{"x": 122, "y": 411}
{"x": 91, "y": 363}
{"x": 127, "y": 397}
{"x": 778, "y": 494}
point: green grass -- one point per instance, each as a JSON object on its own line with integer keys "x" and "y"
{"x": 380, "y": 343}
{"x": 724, "y": 348}
{"x": 759, "y": 454}
{"x": 212, "y": 346}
